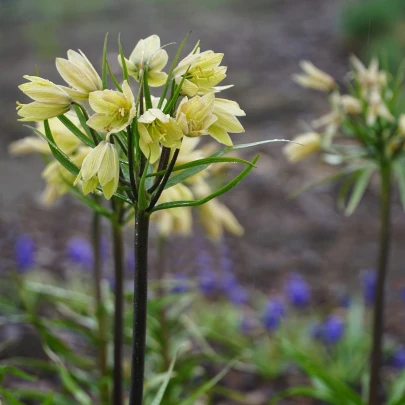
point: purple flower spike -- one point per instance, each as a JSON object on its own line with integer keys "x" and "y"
{"x": 333, "y": 329}
{"x": 79, "y": 251}
{"x": 238, "y": 295}
{"x": 180, "y": 284}
{"x": 398, "y": 358}
{"x": 298, "y": 291}
{"x": 368, "y": 282}
{"x": 273, "y": 313}
{"x": 24, "y": 253}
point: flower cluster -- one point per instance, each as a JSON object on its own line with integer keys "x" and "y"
{"x": 364, "y": 129}
{"x": 127, "y": 132}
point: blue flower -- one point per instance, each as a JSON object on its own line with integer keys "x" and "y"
{"x": 207, "y": 282}
{"x": 345, "y": 301}
{"x": 398, "y": 358}
{"x": 333, "y": 329}
{"x": 368, "y": 282}
{"x": 228, "y": 282}
{"x": 180, "y": 284}
{"x": 24, "y": 253}
{"x": 298, "y": 291}
{"x": 238, "y": 295}
{"x": 273, "y": 313}
{"x": 79, "y": 251}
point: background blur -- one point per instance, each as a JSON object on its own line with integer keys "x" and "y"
{"x": 263, "y": 42}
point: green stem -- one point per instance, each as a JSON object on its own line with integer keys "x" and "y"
{"x": 118, "y": 252}
{"x": 378, "y": 316}
{"x": 100, "y": 310}
{"x": 140, "y": 308}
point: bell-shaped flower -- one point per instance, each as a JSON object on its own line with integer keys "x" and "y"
{"x": 64, "y": 139}
{"x": 155, "y": 129}
{"x": 215, "y": 216}
{"x": 377, "y": 108}
{"x": 174, "y": 220}
{"x": 50, "y": 100}
{"x": 114, "y": 110}
{"x": 102, "y": 166}
{"x": 202, "y": 71}
{"x": 226, "y": 112}
{"x": 369, "y": 78}
{"x": 314, "y": 78}
{"x": 195, "y": 115}
{"x": 58, "y": 179}
{"x": 304, "y": 145}
{"x": 148, "y": 52}
{"x": 80, "y": 74}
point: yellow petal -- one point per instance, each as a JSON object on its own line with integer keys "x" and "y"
{"x": 220, "y": 135}
{"x": 93, "y": 161}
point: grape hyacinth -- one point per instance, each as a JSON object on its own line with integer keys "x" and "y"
{"x": 24, "y": 253}
{"x": 298, "y": 291}
{"x": 368, "y": 282}
{"x": 273, "y": 313}
{"x": 80, "y": 252}
{"x": 333, "y": 329}
{"x": 180, "y": 284}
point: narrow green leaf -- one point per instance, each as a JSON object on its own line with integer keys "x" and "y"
{"x": 162, "y": 389}
{"x": 124, "y": 65}
{"x": 104, "y": 68}
{"x": 344, "y": 189}
{"x": 193, "y": 203}
{"x": 175, "y": 96}
{"x": 90, "y": 202}
{"x": 16, "y": 372}
{"x": 117, "y": 85}
{"x": 39, "y": 395}
{"x": 205, "y": 162}
{"x": 208, "y": 385}
{"x": 172, "y": 67}
{"x": 146, "y": 89}
{"x": 397, "y": 391}
{"x": 57, "y": 153}
{"x": 308, "y": 392}
{"x": 11, "y": 399}
{"x": 76, "y": 131}
{"x": 359, "y": 189}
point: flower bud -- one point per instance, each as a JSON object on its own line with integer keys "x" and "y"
{"x": 314, "y": 78}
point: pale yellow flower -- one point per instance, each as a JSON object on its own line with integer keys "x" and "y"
{"x": 314, "y": 78}
{"x": 377, "y": 108}
{"x": 58, "y": 179}
{"x": 309, "y": 143}
{"x": 350, "y": 104}
{"x": 370, "y": 77}
{"x": 114, "y": 110}
{"x": 155, "y": 129}
{"x": 80, "y": 74}
{"x": 64, "y": 139}
{"x": 203, "y": 75}
{"x": 102, "y": 166}
{"x": 195, "y": 115}
{"x": 50, "y": 100}
{"x": 215, "y": 217}
{"x": 148, "y": 52}
{"x": 174, "y": 220}
{"x": 226, "y": 112}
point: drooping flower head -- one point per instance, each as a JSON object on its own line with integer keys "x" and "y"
{"x": 50, "y": 100}
{"x": 148, "y": 52}
{"x": 202, "y": 73}
{"x": 79, "y": 73}
{"x": 114, "y": 110}
{"x": 155, "y": 129}
{"x": 102, "y": 166}
{"x": 304, "y": 145}
{"x": 314, "y": 78}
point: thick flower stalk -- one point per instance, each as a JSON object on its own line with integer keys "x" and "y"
{"x": 363, "y": 133}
